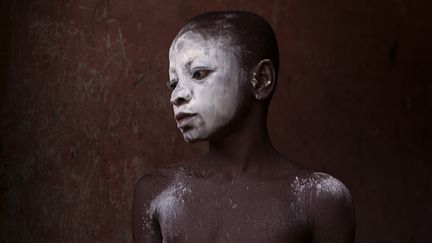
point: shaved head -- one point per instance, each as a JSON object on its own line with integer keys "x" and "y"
{"x": 220, "y": 64}
{"x": 249, "y": 33}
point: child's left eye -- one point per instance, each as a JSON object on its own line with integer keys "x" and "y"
{"x": 200, "y": 74}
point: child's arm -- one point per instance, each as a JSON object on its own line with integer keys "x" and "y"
{"x": 331, "y": 212}
{"x": 145, "y": 226}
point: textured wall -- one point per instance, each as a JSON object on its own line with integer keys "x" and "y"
{"x": 85, "y": 111}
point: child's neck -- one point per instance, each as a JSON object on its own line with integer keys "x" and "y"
{"x": 242, "y": 151}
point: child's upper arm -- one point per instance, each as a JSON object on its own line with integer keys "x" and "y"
{"x": 145, "y": 226}
{"x": 331, "y": 211}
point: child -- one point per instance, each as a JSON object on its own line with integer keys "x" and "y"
{"x": 223, "y": 72}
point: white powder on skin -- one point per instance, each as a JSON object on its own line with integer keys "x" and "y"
{"x": 168, "y": 206}
{"x": 320, "y": 183}
{"x": 329, "y": 184}
{"x": 215, "y": 98}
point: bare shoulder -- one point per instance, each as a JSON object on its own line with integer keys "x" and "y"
{"x": 309, "y": 186}
{"x": 153, "y": 183}
{"x": 322, "y": 189}
{"x": 149, "y": 197}
{"x": 329, "y": 206}
{"x": 150, "y": 183}
{"x": 326, "y": 187}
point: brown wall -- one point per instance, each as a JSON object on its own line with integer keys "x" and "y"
{"x": 85, "y": 111}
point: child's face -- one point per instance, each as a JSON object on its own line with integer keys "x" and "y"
{"x": 207, "y": 84}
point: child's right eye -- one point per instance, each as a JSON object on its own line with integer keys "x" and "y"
{"x": 172, "y": 85}
{"x": 200, "y": 74}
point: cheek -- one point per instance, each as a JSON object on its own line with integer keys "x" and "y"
{"x": 219, "y": 102}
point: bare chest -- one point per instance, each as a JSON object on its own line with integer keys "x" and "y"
{"x": 230, "y": 213}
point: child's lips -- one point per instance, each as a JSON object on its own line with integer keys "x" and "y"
{"x": 184, "y": 118}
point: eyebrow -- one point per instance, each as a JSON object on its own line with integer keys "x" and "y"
{"x": 187, "y": 66}
{"x": 189, "y": 63}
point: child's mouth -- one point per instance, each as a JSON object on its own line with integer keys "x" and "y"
{"x": 184, "y": 118}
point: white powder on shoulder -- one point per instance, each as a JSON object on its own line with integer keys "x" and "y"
{"x": 169, "y": 204}
{"x": 320, "y": 182}
{"x": 328, "y": 184}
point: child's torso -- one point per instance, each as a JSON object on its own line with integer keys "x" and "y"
{"x": 195, "y": 209}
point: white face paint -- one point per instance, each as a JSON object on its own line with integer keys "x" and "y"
{"x": 207, "y": 83}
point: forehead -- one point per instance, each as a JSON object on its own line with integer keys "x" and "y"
{"x": 197, "y": 43}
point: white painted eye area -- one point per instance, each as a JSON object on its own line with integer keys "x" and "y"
{"x": 172, "y": 84}
{"x": 201, "y": 74}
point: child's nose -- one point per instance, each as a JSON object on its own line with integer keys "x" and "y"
{"x": 180, "y": 95}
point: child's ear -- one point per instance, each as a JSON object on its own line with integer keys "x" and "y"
{"x": 263, "y": 79}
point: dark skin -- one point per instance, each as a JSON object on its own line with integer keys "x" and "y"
{"x": 242, "y": 190}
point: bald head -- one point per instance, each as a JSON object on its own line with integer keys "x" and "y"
{"x": 250, "y": 34}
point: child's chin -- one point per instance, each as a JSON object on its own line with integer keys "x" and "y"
{"x": 191, "y": 137}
